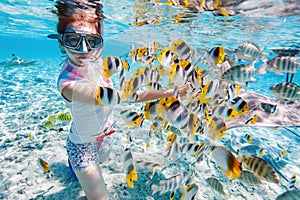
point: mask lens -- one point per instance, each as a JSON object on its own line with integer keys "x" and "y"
{"x": 71, "y": 40}
{"x": 94, "y": 41}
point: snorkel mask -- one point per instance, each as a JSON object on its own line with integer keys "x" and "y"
{"x": 81, "y": 42}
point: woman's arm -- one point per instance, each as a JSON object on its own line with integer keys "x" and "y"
{"x": 152, "y": 95}
{"x": 80, "y": 92}
{"x": 158, "y": 94}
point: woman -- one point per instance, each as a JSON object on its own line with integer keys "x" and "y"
{"x": 80, "y": 29}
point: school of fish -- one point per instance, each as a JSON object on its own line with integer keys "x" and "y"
{"x": 194, "y": 126}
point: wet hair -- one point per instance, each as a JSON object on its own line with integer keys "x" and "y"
{"x": 81, "y": 12}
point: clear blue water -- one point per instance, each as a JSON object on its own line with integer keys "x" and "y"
{"x": 29, "y": 94}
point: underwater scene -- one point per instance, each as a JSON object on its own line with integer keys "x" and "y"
{"x": 236, "y": 135}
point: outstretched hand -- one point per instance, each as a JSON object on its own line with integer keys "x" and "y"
{"x": 183, "y": 92}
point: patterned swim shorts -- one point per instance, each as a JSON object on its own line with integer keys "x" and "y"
{"x": 87, "y": 154}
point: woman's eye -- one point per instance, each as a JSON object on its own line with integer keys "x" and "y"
{"x": 73, "y": 41}
{"x": 92, "y": 42}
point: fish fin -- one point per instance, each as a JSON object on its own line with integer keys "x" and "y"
{"x": 262, "y": 69}
{"x": 154, "y": 188}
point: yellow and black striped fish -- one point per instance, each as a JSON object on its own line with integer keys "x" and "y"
{"x": 172, "y": 110}
{"x": 181, "y": 49}
{"x": 239, "y": 104}
{"x": 216, "y": 55}
{"x": 167, "y": 58}
{"x": 132, "y": 118}
{"x": 130, "y": 170}
{"x": 224, "y": 112}
{"x": 113, "y": 65}
{"x": 150, "y": 110}
{"x": 43, "y": 165}
{"x": 107, "y": 96}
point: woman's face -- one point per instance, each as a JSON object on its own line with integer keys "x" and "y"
{"x": 83, "y": 52}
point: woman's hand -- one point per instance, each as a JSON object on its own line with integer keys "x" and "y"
{"x": 183, "y": 92}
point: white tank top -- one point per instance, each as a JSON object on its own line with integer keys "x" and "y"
{"x": 89, "y": 121}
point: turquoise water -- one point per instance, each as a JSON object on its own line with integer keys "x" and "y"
{"x": 29, "y": 94}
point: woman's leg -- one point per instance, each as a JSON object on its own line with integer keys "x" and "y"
{"x": 92, "y": 182}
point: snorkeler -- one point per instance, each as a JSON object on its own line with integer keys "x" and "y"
{"x": 80, "y": 35}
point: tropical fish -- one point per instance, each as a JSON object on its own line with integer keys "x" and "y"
{"x": 216, "y": 55}
{"x": 64, "y": 117}
{"x": 172, "y": 146}
{"x": 281, "y": 64}
{"x": 132, "y": 85}
{"x": 260, "y": 152}
{"x": 181, "y": 49}
{"x": 170, "y": 184}
{"x": 145, "y": 54}
{"x": 150, "y": 110}
{"x": 107, "y": 96}
{"x": 208, "y": 91}
{"x": 193, "y": 149}
{"x": 130, "y": 170}
{"x": 194, "y": 125}
{"x": 227, "y": 162}
{"x": 269, "y": 108}
{"x": 224, "y": 112}
{"x": 232, "y": 91}
{"x": 189, "y": 192}
{"x": 289, "y": 195}
{"x": 197, "y": 107}
{"x": 282, "y": 154}
{"x": 122, "y": 79}
{"x": 188, "y": 68}
{"x": 248, "y": 138}
{"x": 286, "y": 91}
{"x": 154, "y": 86}
{"x": 249, "y": 178}
{"x": 216, "y": 128}
{"x": 248, "y": 52}
{"x": 132, "y": 118}
{"x": 242, "y": 74}
{"x": 198, "y": 77}
{"x": 239, "y": 104}
{"x": 260, "y": 167}
{"x": 167, "y": 58}
{"x": 173, "y": 111}
{"x": 113, "y": 65}
{"x": 177, "y": 75}
{"x": 43, "y": 165}
{"x": 216, "y": 185}
{"x": 30, "y": 136}
{"x": 49, "y": 124}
